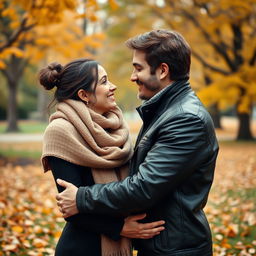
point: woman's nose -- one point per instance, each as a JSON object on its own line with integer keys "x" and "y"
{"x": 112, "y": 87}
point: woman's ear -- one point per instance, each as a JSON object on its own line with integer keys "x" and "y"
{"x": 83, "y": 95}
{"x": 164, "y": 70}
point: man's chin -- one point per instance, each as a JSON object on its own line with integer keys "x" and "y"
{"x": 142, "y": 97}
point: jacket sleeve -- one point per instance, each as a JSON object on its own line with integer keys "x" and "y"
{"x": 97, "y": 223}
{"x": 181, "y": 145}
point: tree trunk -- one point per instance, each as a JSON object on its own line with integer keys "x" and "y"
{"x": 244, "y": 130}
{"x": 13, "y": 73}
{"x": 42, "y": 103}
{"x": 213, "y": 109}
{"x": 215, "y": 114}
{"x": 12, "y": 107}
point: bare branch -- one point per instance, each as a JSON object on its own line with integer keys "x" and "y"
{"x": 206, "y": 64}
{"x": 252, "y": 61}
{"x": 159, "y": 13}
{"x": 237, "y": 44}
{"x": 208, "y": 38}
{"x": 14, "y": 37}
{"x": 7, "y": 74}
{"x": 201, "y": 5}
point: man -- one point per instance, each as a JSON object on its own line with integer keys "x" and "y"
{"x": 174, "y": 159}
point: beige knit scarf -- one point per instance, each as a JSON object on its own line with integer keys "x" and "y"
{"x": 81, "y": 136}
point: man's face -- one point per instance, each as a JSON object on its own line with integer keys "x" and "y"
{"x": 148, "y": 84}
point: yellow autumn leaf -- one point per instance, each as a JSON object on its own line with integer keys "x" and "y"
{"x": 2, "y": 65}
{"x": 39, "y": 243}
{"x": 9, "y": 12}
{"x": 43, "y": 41}
{"x": 17, "y": 229}
{"x": 70, "y": 4}
{"x": 113, "y": 4}
{"x": 10, "y": 247}
{"x": 38, "y": 229}
{"x": 57, "y": 234}
{"x": 15, "y": 24}
{"x": 26, "y": 243}
{"x": 226, "y": 245}
{"x": 93, "y": 17}
{"x": 15, "y": 51}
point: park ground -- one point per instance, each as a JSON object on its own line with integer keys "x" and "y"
{"x": 30, "y": 223}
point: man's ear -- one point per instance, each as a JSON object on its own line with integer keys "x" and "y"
{"x": 83, "y": 95}
{"x": 164, "y": 70}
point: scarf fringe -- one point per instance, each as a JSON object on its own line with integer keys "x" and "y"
{"x": 120, "y": 253}
{"x": 123, "y": 247}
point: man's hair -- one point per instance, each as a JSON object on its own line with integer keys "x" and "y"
{"x": 163, "y": 46}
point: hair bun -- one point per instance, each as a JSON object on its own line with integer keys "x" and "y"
{"x": 55, "y": 66}
{"x": 50, "y": 76}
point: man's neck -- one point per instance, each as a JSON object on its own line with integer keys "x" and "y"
{"x": 159, "y": 92}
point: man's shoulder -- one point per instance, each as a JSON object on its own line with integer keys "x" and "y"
{"x": 190, "y": 105}
{"x": 186, "y": 110}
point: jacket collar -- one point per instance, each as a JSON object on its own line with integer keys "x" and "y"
{"x": 158, "y": 102}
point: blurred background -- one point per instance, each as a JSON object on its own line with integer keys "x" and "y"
{"x": 33, "y": 33}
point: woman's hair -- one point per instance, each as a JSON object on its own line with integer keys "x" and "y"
{"x": 76, "y": 75}
{"x": 163, "y": 46}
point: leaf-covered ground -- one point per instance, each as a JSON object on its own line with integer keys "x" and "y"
{"x": 30, "y": 223}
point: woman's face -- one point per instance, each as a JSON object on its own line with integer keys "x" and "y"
{"x": 103, "y": 99}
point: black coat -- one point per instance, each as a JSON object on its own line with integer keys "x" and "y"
{"x": 172, "y": 167}
{"x": 81, "y": 234}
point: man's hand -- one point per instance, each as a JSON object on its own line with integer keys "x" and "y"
{"x": 133, "y": 229}
{"x": 66, "y": 200}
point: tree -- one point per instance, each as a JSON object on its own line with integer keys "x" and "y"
{"x": 120, "y": 23}
{"x": 30, "y": 30}
{"x": 226, "y": 33}
{"x": 222, "y": 35}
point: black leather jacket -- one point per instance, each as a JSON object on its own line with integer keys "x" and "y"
{"x": 171, "y": 175}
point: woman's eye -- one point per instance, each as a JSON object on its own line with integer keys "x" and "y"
{"x": 104, "y": 81}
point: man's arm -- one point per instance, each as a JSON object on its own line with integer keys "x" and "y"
{"x": 171, "y": 160}
{"x": 108, "y": 225}
{"x": 113, "y": 227}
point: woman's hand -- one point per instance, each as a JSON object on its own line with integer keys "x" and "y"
{"x": 133, "y": 229}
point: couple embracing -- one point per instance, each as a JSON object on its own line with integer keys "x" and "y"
{"x": 115, "y": 197}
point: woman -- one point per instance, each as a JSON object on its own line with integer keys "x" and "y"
{"x": 87, "y": 142}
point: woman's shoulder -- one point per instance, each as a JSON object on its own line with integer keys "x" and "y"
{"x": 59, "y": 125}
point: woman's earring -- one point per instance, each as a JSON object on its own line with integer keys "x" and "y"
{"x": 86, "y": 102}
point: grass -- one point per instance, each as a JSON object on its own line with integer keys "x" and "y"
{"x": 11, "y": 153}
{"x": 234, "y": 201}
{"x": 26, "y": 127}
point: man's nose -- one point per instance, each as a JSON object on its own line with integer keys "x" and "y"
{"x": 134, "y": 77}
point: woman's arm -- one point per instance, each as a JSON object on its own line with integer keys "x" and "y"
{"x": 102, "y": 224}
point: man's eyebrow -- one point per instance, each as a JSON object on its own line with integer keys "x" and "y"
{"x": 137, "y": 65}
